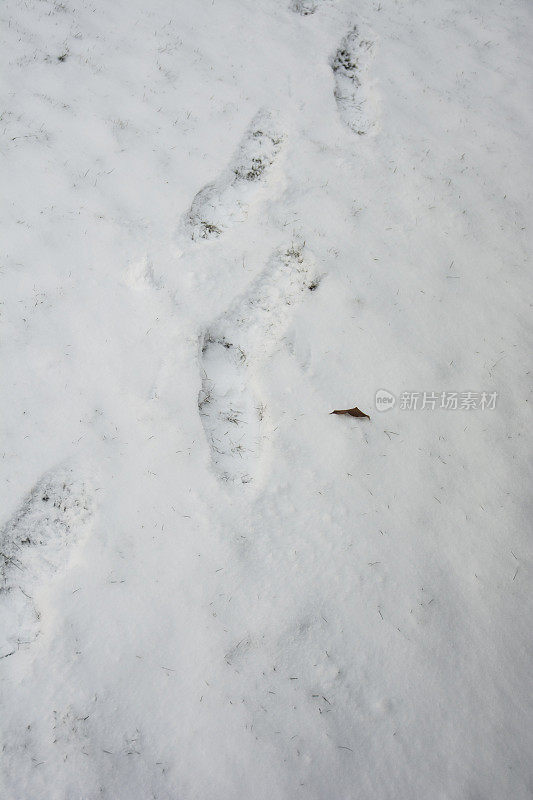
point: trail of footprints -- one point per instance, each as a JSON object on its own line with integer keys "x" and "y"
{"x": 37, "y": 540}
{"x": 229, "y": 402}
{"x": 35, "y": 543}
{"x": 219, "y": 205}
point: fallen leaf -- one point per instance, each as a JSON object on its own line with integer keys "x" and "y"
{"x": 352, "y": 412}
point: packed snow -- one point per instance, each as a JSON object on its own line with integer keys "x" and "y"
{"x": 222, "y": 220}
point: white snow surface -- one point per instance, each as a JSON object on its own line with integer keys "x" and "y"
{"x": 223, "y": 219}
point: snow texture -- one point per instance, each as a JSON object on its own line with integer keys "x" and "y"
{"x": 221, "y": 221}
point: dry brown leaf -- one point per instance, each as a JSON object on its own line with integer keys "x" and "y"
{"x": 352, "y": 412}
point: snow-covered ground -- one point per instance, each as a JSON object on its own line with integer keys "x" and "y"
{"x": 223, "y": 219}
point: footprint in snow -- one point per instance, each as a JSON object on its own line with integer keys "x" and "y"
{"x": 35, "y": 543}
{"x": 228, "y": 402}
{"x": 219, "y": 205}
{"x": 354, "y": 99}
{"x": 304, "y": 7}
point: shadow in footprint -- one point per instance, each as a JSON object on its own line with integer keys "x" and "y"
{"x": 230, "y": 408}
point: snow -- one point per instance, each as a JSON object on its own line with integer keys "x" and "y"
{"x": 223, "y": 220}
